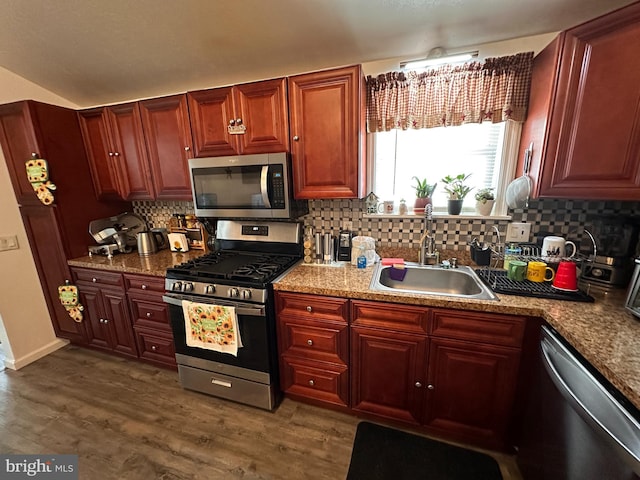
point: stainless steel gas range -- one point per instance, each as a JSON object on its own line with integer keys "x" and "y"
{"x": 240, "y": 275}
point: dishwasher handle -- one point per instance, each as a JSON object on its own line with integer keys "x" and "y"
{"x": 590, "y": 399}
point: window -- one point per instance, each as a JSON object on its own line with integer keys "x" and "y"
{"x": 486, "y": 150}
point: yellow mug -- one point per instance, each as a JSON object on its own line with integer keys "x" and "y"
{"x": 537, "y": 272}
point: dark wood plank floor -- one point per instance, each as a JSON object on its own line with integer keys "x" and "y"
{"x": 128, "y": 420}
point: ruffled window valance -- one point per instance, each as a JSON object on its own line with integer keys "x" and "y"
{"x": 494, "y": 90}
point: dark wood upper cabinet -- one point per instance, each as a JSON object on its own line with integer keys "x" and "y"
{"x": 328, "y": 133}
{"x": 116, "y": 151}
{"x": 584, "y": 115}
{"x": 259, "y": 107}
{"x": 167, "y": 133}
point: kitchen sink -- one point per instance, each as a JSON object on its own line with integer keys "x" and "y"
{"x": 461, "y": 282}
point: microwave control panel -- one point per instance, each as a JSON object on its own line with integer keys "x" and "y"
{"x": 277, "y": 187}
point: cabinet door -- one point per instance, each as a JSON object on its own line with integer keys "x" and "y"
{"x": 43, "y": 231}
{"x": 130, "y": 152}
{"x": 471, "y": 389}
{"x": 168, "y": 135}
{"x": 327, "y": 133}
{"x": 210, "y": 112}
{"x": 100, "y": 152}
{"x": 262, "y": 108}
{"x": 97, "y": 329}
{"x": 388, "y": 373}
{"x": 587, "y": 137}
{"x": 119, "y": 323}
{"x": 19, "y": 141}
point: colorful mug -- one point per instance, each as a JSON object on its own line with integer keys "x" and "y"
{"x": 537, "y": 272}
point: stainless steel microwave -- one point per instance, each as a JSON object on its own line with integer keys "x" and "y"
{"x": 244, "y": 186}
{"x": 633, "y": 296}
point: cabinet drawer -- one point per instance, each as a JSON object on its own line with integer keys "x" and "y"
{"x": 390, "y": 316}
{"x": 328, "y": 384}
{"x": 149, "y": 313}
{"x": 157, "y": 347}
{"x": 491, "y": 328}
{"x": 312, "y": 307}
{"x": 97, "y": 277}
{"x": 325, "y": 342}
{"x": 144, "y": 283}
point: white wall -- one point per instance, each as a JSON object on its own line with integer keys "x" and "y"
{"x": 26, "y": 332}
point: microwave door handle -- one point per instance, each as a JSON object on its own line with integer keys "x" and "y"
{"x": 264, "y": 178}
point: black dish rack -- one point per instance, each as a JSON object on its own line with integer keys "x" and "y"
{"x": 498, "y": 281}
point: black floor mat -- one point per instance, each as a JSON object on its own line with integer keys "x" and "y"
{"x": 381, "y": 453}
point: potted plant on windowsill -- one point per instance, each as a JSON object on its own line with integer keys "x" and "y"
{"x": 457, "y": 190}
{"x": 423, "y": 194}
{"x": 484, "y": 201}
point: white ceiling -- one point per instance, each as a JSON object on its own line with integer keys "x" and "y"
{"x": 94, "y": 52}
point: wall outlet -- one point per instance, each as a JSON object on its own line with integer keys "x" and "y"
{"x": 8, "y": 242}
{"x": 347, "y": 225}
{"x": 518, "y": 232}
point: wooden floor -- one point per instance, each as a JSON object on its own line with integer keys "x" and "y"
{"x": 127, "y": 420}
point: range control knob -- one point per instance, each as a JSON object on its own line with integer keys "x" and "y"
{"x": 188, "y": 287}
{"x": 246, "y": 294}
{"x": 234, "y": 292}
{"x": 176, "y": 287}
{"x": 210, "y": 289}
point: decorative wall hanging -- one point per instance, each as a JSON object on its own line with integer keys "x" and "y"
{"x": 38, "y": 176}
{"x": 68, "y": 295}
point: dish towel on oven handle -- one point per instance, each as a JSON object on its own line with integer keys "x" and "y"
{"x": 212, "y": 327}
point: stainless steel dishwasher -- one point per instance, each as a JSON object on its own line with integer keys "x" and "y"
{"x": 576, "y": 425}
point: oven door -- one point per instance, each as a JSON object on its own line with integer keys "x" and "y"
{"x": 257, "y": 332}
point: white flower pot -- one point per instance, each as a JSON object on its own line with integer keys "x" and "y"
{"x": 485, "y": 208}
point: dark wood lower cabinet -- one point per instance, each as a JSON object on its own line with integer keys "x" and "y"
{"x": 451, "y": 372}
{"x": 388, "y": 371}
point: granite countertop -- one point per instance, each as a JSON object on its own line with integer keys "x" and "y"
{"x": 603, "y": 332}
{"x": 155, "y": 264}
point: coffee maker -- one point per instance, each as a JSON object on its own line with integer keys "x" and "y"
{"x": 610, "y": 245}
{"x": 344, "y": 246}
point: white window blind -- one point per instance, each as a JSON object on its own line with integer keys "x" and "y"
{"x": 433, "y": 153}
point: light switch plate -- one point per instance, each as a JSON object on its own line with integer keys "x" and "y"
{"x": 518, "y": 232}
{"x": 8, "y": 242}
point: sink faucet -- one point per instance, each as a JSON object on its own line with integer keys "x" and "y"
{"x": 428, "y": 252}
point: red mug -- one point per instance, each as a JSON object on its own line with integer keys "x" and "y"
{"x": 566, "y": 277}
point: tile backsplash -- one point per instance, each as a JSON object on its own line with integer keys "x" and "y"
{"x": 567, "y": 218}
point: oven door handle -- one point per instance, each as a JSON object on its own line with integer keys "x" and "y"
{"x": 240, "y": 310}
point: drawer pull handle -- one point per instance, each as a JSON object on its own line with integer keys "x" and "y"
{"x": 430, "y": 387}
{"x": 221, "y": 383}
{"x": 418, "y": 384}
{"x": 309, "y": 309}
{"x": 148, "y": 314}
{"x": 94, "y": 280}
{"x": 310, "y": 342}
{"x": 144, "y": 287}
{"x": 312, "y": 383}
{"x": 154, "y": 348}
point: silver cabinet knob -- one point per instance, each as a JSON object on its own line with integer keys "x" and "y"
{"x": 117, "y": 154}
{"x": 430, "y": 387}
{"x": 111, "y": 154}
{"x": 238, "y": 121}
{"x": 418, "y": 385}
{"x": 144, "y": 287}
{"x": 309, "y": 309}
{"x": 310, "y": 342}
{"x": 148, "y": 314}
{"x": 106, "y": 320}
{"x": 186, "y": 149}
{"x": 296, "y": 138}
{"x": 34, "y": 155}
{"x": 312, "y": 383}
{"x": 94, "y": 280}
{"x": 154, "y": 348}
{"x": 232, "y": 122}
